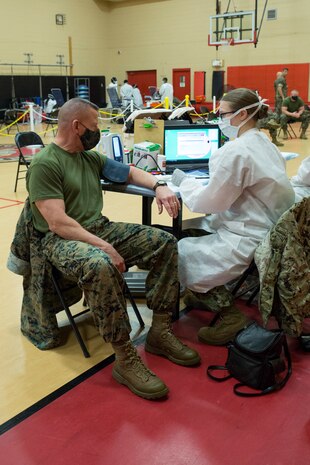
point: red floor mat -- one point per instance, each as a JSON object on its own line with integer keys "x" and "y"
{"x": 201, "y": 423}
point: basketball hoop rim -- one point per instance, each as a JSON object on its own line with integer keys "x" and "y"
{"x": 227, "y": 42}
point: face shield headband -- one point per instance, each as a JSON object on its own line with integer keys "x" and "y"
{"x": 258, "y": 104}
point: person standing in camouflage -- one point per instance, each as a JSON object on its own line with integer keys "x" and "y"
{"x": 280, "y": 88}
{"x": 65, "y": 195}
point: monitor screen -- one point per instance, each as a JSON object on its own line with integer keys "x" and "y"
{"x": 117, "y": 149}
{"x": 190, "y": 145}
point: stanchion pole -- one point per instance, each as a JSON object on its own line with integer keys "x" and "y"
{"x": 167, "y": 105}
{"x": 30, "y": 104}
{"x": 214, "y": 104}
{"x": 187, "y": 100}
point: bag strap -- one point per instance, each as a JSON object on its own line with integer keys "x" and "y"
{"x": 275, "y": 387}
{"x": 212, "y": 368}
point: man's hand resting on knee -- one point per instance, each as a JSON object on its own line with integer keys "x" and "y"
{"x": 116, "y": 258}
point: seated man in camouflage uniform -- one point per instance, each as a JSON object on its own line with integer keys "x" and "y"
{"x": 293, "y": 109}
{"x": 65, "y": 194}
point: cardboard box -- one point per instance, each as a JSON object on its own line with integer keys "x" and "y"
{"x": 145, "y": 155}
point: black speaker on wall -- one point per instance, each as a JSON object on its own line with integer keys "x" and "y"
{"x": 218, "y": 84}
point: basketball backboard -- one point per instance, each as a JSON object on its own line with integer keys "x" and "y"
{"x": 232, "y": 28}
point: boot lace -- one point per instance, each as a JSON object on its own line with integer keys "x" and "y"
{"x": 136, "y": 362}
{"x": 170, "y": 337}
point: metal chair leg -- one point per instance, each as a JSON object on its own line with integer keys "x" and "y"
{"x": 70, "y": 317}
{"x": 133, "y": 304}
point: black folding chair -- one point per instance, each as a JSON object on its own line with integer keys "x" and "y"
{"x": 28, "y": 139}
{"x": 10, "y": 120}
{"x": 55, "y": 279}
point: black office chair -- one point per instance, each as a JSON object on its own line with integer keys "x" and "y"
{"x": 24, "y": 139}
{"x": 117, "y": 107}
{"x": 55, "y": 280}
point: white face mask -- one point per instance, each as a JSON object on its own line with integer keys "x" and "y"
{"x": 232, "y": 131}
{"x": 227, "y": 129}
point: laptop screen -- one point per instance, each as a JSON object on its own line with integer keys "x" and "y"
{"x": 190, "y": 147}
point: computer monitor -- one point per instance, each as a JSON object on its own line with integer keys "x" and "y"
{"x": 190, "y": 147}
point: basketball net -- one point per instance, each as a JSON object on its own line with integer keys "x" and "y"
{"x": 228, "y": 42}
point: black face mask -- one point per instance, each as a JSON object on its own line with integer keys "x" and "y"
{"x": 294, "y": 98}
{"x": 90, "y": 138}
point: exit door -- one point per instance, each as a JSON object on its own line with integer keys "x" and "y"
{"x": 181, "y": 78}
{"x": 143, "y": 79}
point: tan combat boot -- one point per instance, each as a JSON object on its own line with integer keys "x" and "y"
{"x": 276, "y": 142}
{"x": 231, "y": 320}
{"x": 273, "y": 124}
{"x": 161, "y": 341}
{"x": 130, "y": 370}
{"x": 303, "y": 135}
{"x": 285, "y": 134}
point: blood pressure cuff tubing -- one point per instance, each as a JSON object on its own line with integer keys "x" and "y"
{"x": 115, "y": 171}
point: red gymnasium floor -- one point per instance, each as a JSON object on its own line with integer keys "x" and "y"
{"x": 99, "y": 422}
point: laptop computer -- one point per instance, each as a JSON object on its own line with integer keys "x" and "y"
{"x": 190, "y": 147}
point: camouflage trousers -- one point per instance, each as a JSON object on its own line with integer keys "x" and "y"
{"x": 304, "y": 119}
{"x": 264, "y": 124}
{"x": 278, "y": 106}
{"x": 149, "y": 248}
{"x": 217, "y": 298}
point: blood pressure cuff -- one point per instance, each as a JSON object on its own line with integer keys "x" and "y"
{"x": 115, "y": 171}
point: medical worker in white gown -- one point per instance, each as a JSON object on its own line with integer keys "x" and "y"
{"x": 301, "y": 182}
{"x": 247, "y": 192}
{"x": 166, "y": 90}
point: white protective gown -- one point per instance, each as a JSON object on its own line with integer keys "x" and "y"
{"x": 247, "y": 192}
{"x": 301, "y": 182}
{"x": 126, "y": 93}
{"x": 137, "y": 97}
{"x": 166, "y": 90}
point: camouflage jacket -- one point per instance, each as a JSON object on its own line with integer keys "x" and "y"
{"x": 40, "y": 301}
{"x": 283, "y": 262}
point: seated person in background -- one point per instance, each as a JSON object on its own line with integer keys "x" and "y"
{"x": 49, "y": 104}
{"x": 293, "y": 110}
{"x": 126, "y": 92}
{"x": 247, "y": 192}
{"x": 301, "y": 182}
{"x": 65, "y": 193}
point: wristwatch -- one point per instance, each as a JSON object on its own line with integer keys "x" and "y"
{"x": 159, "y": 183}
